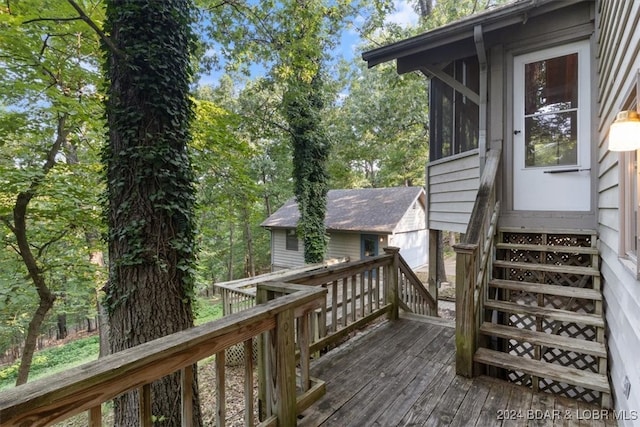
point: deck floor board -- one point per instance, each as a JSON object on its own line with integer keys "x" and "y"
{"x": 402, "y": 373}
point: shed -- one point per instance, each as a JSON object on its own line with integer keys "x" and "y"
{"x": 359, "y": 223}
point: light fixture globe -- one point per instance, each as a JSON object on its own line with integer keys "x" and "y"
{"x": 624, "y": 134}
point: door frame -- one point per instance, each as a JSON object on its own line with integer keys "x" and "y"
{"x": 537, "y": 180}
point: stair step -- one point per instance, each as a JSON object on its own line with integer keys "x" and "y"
{"x": 548, "y": 248}
{"x": 542, "y": 288}
{"x": 555, "y": 232}
{"x": 589, "y": 380}
{"x": 547, "y": 313}
{"x": 551, "y": 268}
{"x": 547, "y": 340}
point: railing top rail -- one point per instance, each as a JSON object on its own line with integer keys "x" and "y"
{"x": 86, "y": 386}
{"x": 481, "y": 208}
{"x": 250, "y": 282}
{"x": 404, "y": 267}
{"x": 318, "y": 276}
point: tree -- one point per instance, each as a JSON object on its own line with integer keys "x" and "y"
{"x": 381, "y": 126}
{"x": 150, "y": 190}
{"x": 292, "y": 40}
{"x": 47, "y": 65}
{"x": 303, "y": 107}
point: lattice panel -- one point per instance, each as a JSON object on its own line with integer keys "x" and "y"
{"x": 588, "y": 333}
{"x": 567, "y": 390}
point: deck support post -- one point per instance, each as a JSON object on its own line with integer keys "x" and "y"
{"x": 466, "y": 344}
{"x": 435, "y": 244}
{"x": 392, "y": 278}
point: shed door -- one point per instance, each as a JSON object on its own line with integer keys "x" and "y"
{"x": 552, "y": 154}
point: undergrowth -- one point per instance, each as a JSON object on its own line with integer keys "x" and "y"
{"x": 77, "y": 352}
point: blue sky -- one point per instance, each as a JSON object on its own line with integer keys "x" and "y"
{"x": 403, "y": 15}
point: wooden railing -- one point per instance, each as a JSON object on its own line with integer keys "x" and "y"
{"x": 361, "y": 291}
{"x": 86, "y": 387}
{"x": 474, "y": 264}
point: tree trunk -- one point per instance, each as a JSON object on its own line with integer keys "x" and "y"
{"x": 150, "y": 189}
{"x": 62, "y": 332}
{"x": 230, "y": 259}
{"x": 248, "y": 238}
{"x": 19, "y": 229}
{"x": 31, "y": 340}
{"x": 425, "y": 7}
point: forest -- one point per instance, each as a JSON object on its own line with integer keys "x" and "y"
{"x": 247, "y": 143}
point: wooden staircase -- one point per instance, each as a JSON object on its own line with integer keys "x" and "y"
{"x": 543, "y": 325}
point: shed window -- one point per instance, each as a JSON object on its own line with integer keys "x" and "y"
{"x": 292, "y": 240}
{"x": 454, "y": 119}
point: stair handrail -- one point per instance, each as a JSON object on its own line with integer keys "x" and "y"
{"x": 414, "y": 297}
{"x": 473, "y": 265}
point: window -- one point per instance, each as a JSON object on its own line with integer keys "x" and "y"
{"x": 454, "y": 119}
{"x": 292, "y": 240}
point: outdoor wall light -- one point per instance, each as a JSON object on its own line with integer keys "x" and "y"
{"x": 624, "y": 134}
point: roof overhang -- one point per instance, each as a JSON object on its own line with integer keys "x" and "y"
{"x": 461, "y": 33}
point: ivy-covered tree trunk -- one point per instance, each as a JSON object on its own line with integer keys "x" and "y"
{"x": 150, "y": 207}
{"x": 303, "y": 107}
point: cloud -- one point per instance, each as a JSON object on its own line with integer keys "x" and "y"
{"x": 404, "y": 15}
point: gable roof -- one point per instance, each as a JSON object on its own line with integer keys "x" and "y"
{"x": 461, "y": 32}
{"x": 366, "y": 209}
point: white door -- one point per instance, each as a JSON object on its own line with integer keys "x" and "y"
{"x": 552, "y": 138}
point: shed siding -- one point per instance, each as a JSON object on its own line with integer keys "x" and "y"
{"x": 619, "y": 61}
{"x": 452, "y": 188}
{"x": 413, "y": 219}
{"x": 343, "y": 245}
{"x": 413, "y": 246}
{"x": 281, "y": 257}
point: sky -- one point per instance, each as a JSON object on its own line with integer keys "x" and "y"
{"x": 404, "y": 15}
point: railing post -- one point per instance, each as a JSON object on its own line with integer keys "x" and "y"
{"x": 392, "y": 277}
{"x": 466, "y": 259}
{"x": 264, "y": 409}
{"x": 284, "y": 406}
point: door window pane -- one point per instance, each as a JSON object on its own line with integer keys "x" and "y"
{"x": 551, "y": 105}
{"x": 551, "y": 85}
{"x": 551, "y": 139}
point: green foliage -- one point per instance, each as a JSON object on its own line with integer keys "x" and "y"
{"x": 206, "y": 311}
{"x": 55, "y": 359}
{"x": 49, "y": 121}
{"x": 73, "y": 353}
{"x": 311, "y": 148}
{"x": 381, "y": 126}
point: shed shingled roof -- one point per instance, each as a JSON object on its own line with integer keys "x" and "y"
{"x": 367, "y": 209}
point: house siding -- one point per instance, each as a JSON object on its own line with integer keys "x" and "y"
{"x": 452, "y": 186}
{"x": 618, "y": 63}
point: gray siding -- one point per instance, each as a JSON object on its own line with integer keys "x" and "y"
{"x": 619, "y": 61}
{"x": 452, "y": 186}
{"x": 342, "y": 245}
{"x": 280, "y": 256}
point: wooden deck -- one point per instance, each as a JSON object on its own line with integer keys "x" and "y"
{"x": 402, "y": 373}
